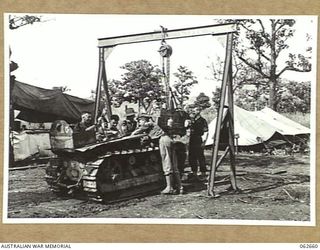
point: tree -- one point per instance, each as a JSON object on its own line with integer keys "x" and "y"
{"x": 141, "y": 80}
{"x": 251, "y": 99}
{"x": 295, "y": 97}
{"x": 216, "y": 98}
{"x": 181, "y": 87}
{"x": 241, "y": 73}
{"x": 292, "y": 96}
{"x": 202, "y": 101}
{"x": 249, "y": 86}
{"x": 259, "y": 45}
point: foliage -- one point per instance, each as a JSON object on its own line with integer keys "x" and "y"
{"x": 241, "y": 73}
{"x": 209, "y": 114}
{"x": 250, "y": 99}
{"x": 181, "y": 87}
{"x": 141, "y": 80}
{"x": 259, "y": 45}
{"x": 216, "y": 98}
{"x": 116, "y": 94}
{"x": 292, "y": 96}
{"x": 202, "y": 101}
{"x": 295, "y": 97}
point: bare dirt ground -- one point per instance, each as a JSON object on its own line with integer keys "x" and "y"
{"x": 272, "y": 188}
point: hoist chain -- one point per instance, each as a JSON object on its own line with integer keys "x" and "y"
{"x": 165, "y": 51}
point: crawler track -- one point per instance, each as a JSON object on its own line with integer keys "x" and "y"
{"x": 115, "y": 176}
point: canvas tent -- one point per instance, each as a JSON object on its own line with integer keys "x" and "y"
{"x": 29, "y": 143}
{"x": 46, "y": 105}
{"x": 283, "y": 124}
{"x": 254, "y": 128}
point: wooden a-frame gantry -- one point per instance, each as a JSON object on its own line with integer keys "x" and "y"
{"x": 225, "y": 118}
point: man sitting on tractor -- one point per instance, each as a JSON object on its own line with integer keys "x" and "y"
{"x": 112, "y": 131}
{"x": 85, "y": 124}
{"x": 129, "y": 122}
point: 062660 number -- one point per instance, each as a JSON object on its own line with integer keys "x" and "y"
{"x": 310, "y": 245}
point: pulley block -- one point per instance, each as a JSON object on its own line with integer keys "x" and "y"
{"x": 165, "y": 50}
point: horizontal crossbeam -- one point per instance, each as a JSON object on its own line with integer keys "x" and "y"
{"x": 216, "y": 29}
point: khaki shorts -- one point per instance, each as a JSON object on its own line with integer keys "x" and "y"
{"x": 168, "y": 156}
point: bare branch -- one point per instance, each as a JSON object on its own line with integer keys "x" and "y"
{"x": 281, "y": 26}
{"x": 277, "y": 22}
{"x": 246, "y": 28}
{"x": 264, "y": 34}
{"x": 261, "y": 24}
{"x": 258, "y": 69}
{"x": 279, "y": 49}
{"x": 243, "y": 26}
{"x": 291, "y": 68}
{"x": 265, "y": 56}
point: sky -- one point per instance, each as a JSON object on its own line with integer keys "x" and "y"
{"x": 62, "y": 51}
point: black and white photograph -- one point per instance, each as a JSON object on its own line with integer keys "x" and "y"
{"x": 162, "y": 119}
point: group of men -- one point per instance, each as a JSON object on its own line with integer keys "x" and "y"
{"x": 108, "y": 129}
{"x": 172, "y": 153}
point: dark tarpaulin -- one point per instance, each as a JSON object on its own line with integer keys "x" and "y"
{"x": 46, "y": 105}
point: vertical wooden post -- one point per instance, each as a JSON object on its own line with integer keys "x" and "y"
{"x": 226, "y": 101}
{"x": 231, "y": 124}
{"x": 11, "y": 119}
{"x": 106, "y": 90}
{"x": 99, "y": 81}
{"x": 102, "y": 79}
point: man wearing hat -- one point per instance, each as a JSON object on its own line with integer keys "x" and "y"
{"x": 144, "y": 125}
{"x": 130, "y": 121}
{"x": 145, "y": 108}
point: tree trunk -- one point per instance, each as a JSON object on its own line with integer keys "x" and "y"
{"x": 272, "y": 94}
{"x": 273, "y": 66}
